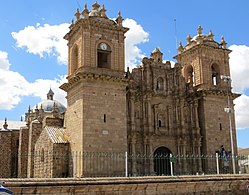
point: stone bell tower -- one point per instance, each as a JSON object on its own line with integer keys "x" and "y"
{"x": 96, "y": 87}
{"x": 205, "y": 62}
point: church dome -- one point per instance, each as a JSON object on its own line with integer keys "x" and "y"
{"x": 49, "y": 104}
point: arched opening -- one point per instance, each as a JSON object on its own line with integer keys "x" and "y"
{"x": 104, "y": 56}
{"x": 162, "y": 161}
{"x": 42, "y": 155}
{"x": 189, "y": 75}
{"x": 159, "y": 84}
{"x": 161, "y": 120}
{"x": 215, "y": 74}
{"x": 74, "y": 59}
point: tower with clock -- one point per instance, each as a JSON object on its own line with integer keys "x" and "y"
{"x": 96, "y": 88}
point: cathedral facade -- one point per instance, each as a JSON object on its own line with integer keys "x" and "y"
{"x": 157, "y": 108}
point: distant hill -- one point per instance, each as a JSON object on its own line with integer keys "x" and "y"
{"x": 243, "y": 151}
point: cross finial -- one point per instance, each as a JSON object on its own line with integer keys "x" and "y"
{"x": 200, "y": 30}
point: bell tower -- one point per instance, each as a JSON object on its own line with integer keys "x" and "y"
{"x": 205, "y": 64}
{"x": 96, "y": 88}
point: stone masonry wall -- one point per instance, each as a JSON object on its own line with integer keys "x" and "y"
{"x": 5, "y": 151}
{"x": 23, "y": 152}
{"x": 221, "y": 184}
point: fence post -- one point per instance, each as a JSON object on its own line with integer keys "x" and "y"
{"x": 126, "y": 164}
{"x": 217, "y": 163}
{"x": 171, "y": 165}
{"x": 248, "y": 165}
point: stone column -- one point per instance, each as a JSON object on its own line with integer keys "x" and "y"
{"x": 132, "y": 114}
{"x": 170, "y": 119}
{"x": 151, "y": 157}
{"x": 191, "y": 115}
{"x": 184, "y": 154}
{"x": 194, "y": 161}
{"x": 196, "y": 117}
{"x": 146, "y": 160}
{"x": 133, "y": 152}
{"x": 149, "y": 115}
{"x": 199, "y": 154}
{"x": 183, "y": 125}
{"x": 155, "y": 118}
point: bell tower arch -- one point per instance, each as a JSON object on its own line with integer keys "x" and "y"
{"x": 206, "y": 59}
{"x": 205, "y": 62}
{"x": 96, "y": 88}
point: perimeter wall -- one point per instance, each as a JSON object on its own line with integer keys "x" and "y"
{"x": 210, "y": 184}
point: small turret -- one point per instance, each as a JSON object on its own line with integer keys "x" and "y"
{"x": 157, "y": 55}
{"x": 189, "y": 39}
{"x": 85, "y": 12}
{"x": 180, "y": 48}
{"x": 199, "y": 30}
{"x": 77, "y": 14}
{"x": 95, "y": 10}
{"x": 102, "y": 12}
{"x": 5, "y": 126}
{"x": 223, "y": 43}
{"x": 119, "y": 19}
{"x": 50, "y": 95}
{"x": 211, "y": 35}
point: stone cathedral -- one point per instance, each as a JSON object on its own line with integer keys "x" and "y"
{"x": 156, "y": 108}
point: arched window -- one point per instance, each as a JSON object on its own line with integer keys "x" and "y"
{"x": 159, "y": 84}
{"x": 162, "y": 161}
{"x": 104, "y": 55}
{"x": 42, "y": 155}
{"x": 74, "y": 59}
{"x": 215, "y": 74}
{"x": 161, "y": 122}
{"x": 189, "y": 75}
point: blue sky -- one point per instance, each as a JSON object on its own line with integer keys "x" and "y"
{"x": 33, "y": 55}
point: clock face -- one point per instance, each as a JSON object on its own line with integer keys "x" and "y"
{"x": 103, "y": 46}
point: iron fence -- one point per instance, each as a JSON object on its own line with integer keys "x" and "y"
{"x": 51, "y": 164}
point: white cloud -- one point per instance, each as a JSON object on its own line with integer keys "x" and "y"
{"x": 48, "y": 40}
{"x": 135, "y": 36}
{"x": 239, "y": 66}
{"x": 242, "y": 111}
{"x": 44, "y": 40}
{"x": 36, "y": 90}
{"x": 11, "y": 83}
{"x": 14, "y": 86}
{"x": 4, "y": 62}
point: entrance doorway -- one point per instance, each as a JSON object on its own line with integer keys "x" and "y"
{"x": 162, "y": 161}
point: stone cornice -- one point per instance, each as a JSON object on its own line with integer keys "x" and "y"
{"x": 92, "y": 23}
{"x": 196, "y": 47}
{"x": 81, "y": 76}
{"x": 204, "y": 93}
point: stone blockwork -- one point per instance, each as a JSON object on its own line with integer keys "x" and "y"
{"x": 158, "y": 113}
{"x": 215, "y": 184}
{"x": 9, "y": 159}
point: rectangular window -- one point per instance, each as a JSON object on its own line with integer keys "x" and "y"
{"x": 104, "y": 118}
{"x": 220, "y": 126}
